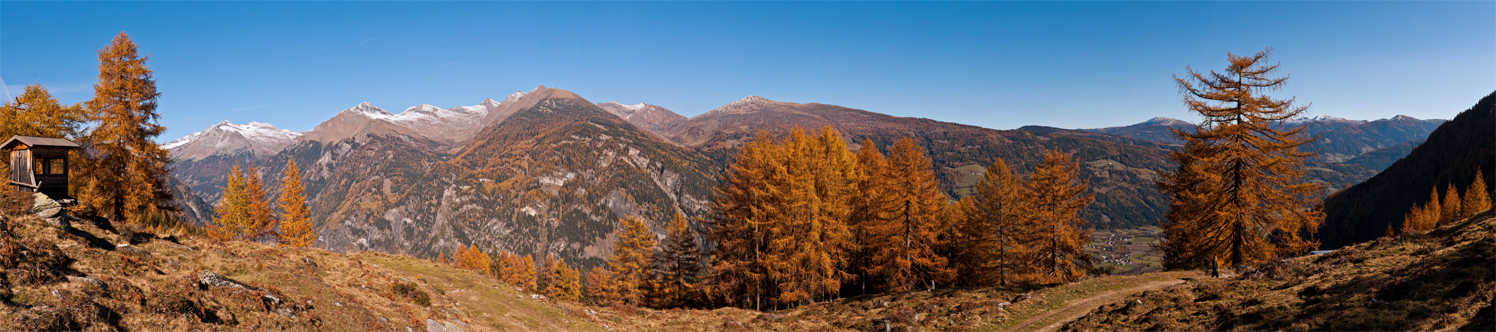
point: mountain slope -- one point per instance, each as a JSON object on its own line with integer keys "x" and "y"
{"x": 1440, "y": 280}
{"x": 1452, "y": 154}
{"x": 550, "y": 178}
{"x": 80, "y": 280}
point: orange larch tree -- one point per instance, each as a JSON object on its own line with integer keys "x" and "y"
{"x": 1054, "y": 198}
{"x": 231, "y": 219}
{"x": 1251, "y": 204}
{"x": 999, "y": 235}
{"x": 262, "y": 217}
{"x": 1449, "y": 209}
{"x": 296, "y": 228}
{"x": 740, "y": 212}
{"x": 869, "y": 214}
{"x": 907, "y": 244}
{"x": 633, "y": 251}
{"x": 125, "y": 172}
{"x": 1477, "y": 198}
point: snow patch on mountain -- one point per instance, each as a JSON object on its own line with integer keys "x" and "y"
{"x": 254, "y": 131}
{"x": 744, "y": 105}
{"x": 1322, "y": 118}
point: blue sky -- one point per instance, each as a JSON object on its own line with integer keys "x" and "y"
{"x": 993, "y": 64}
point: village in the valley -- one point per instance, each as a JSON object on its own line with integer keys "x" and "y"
{"x": 1127, "y": 251}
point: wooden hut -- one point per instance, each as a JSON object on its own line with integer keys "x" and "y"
{"x": 40, "y": 164}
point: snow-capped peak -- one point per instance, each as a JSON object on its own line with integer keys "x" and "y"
{"x": 371, "y": 111}
{"x": 742, "y": 105}
{"x": 422, "y": 108}
{"x": 631, "y": 108}
{"x": 1162, "y": 121}
{"x": 183, "y": 141}
{"x": 513, "y": 97}
{"x": 255, "y": 131}
{"x": 1401, "y": 117}
{"x": 1321, "y": 118}
{"x": 488, "y": 102}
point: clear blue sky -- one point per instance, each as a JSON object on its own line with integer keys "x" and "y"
{"x": 993, "y": 64}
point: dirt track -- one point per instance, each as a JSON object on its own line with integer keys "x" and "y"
{"x": 1053, "y": 319}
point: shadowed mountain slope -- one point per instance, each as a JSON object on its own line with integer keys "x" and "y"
{"x": 1451, "y": 155}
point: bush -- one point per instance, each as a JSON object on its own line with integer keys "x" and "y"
{"x": 409, "y": 291}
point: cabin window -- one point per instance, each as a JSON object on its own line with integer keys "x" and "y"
{"x": 51, "y": 166}
{"x": 57, "y": 166}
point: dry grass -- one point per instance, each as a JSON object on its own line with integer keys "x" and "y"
{"x": 80, "y": 280}
{"x": 1440, "y": 280}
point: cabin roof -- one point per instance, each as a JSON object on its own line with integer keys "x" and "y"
{"x": 34, "y": 141}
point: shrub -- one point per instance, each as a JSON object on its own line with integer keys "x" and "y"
{"x": 409, "y": 291}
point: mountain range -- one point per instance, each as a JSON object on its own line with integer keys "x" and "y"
{"x": 548, "y": 172}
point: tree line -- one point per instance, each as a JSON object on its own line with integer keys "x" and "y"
{"x": 802, "y": 219}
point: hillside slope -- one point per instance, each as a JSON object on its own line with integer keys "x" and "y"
{"x": 96, "y": 279}
{"x": 1452, "y": 154}
{"x": 1440, "y": 280}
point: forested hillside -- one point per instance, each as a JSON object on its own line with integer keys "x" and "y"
{"x": 1450, "y": 157}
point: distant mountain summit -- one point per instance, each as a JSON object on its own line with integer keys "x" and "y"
{"x": 229, "y": 138}
{"x": 652, "y": 118}
{"x": 448, "y": 125}
{"x": 1158, "y": 129}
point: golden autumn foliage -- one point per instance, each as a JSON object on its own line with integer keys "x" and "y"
{"x": 1239, "y": 193}
{"x": 869, "y": 212}
{"x": 600, "y": 287}
{"x": 231, "y": 219}
{"x": 125, "y": 174}
{"x": 633, "y": 253}
{"x": 472, "y": 258}
{"x": 907, "y": 240}
{"x": 995, "y": 230}
{"x": 296, "y": 228}
{"x": 1477, "y": 198}
{"x": 1449, "y": 209}
{"x": 561, "y": 281}
{"x": 261, "y": 216}
{"x": 1054, "y": 198}
{"x": 782, "y": 220}
{"x": 515, "y": 270}
{"x": 1454, "y": 206}
{"x": 1425, "y": 217}
{"x": 36, "y": 113}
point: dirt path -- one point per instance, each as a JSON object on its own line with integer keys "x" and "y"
{"x": 1053, "y": 319}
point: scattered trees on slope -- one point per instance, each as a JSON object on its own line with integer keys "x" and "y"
{"x": 1452, "y": 207}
